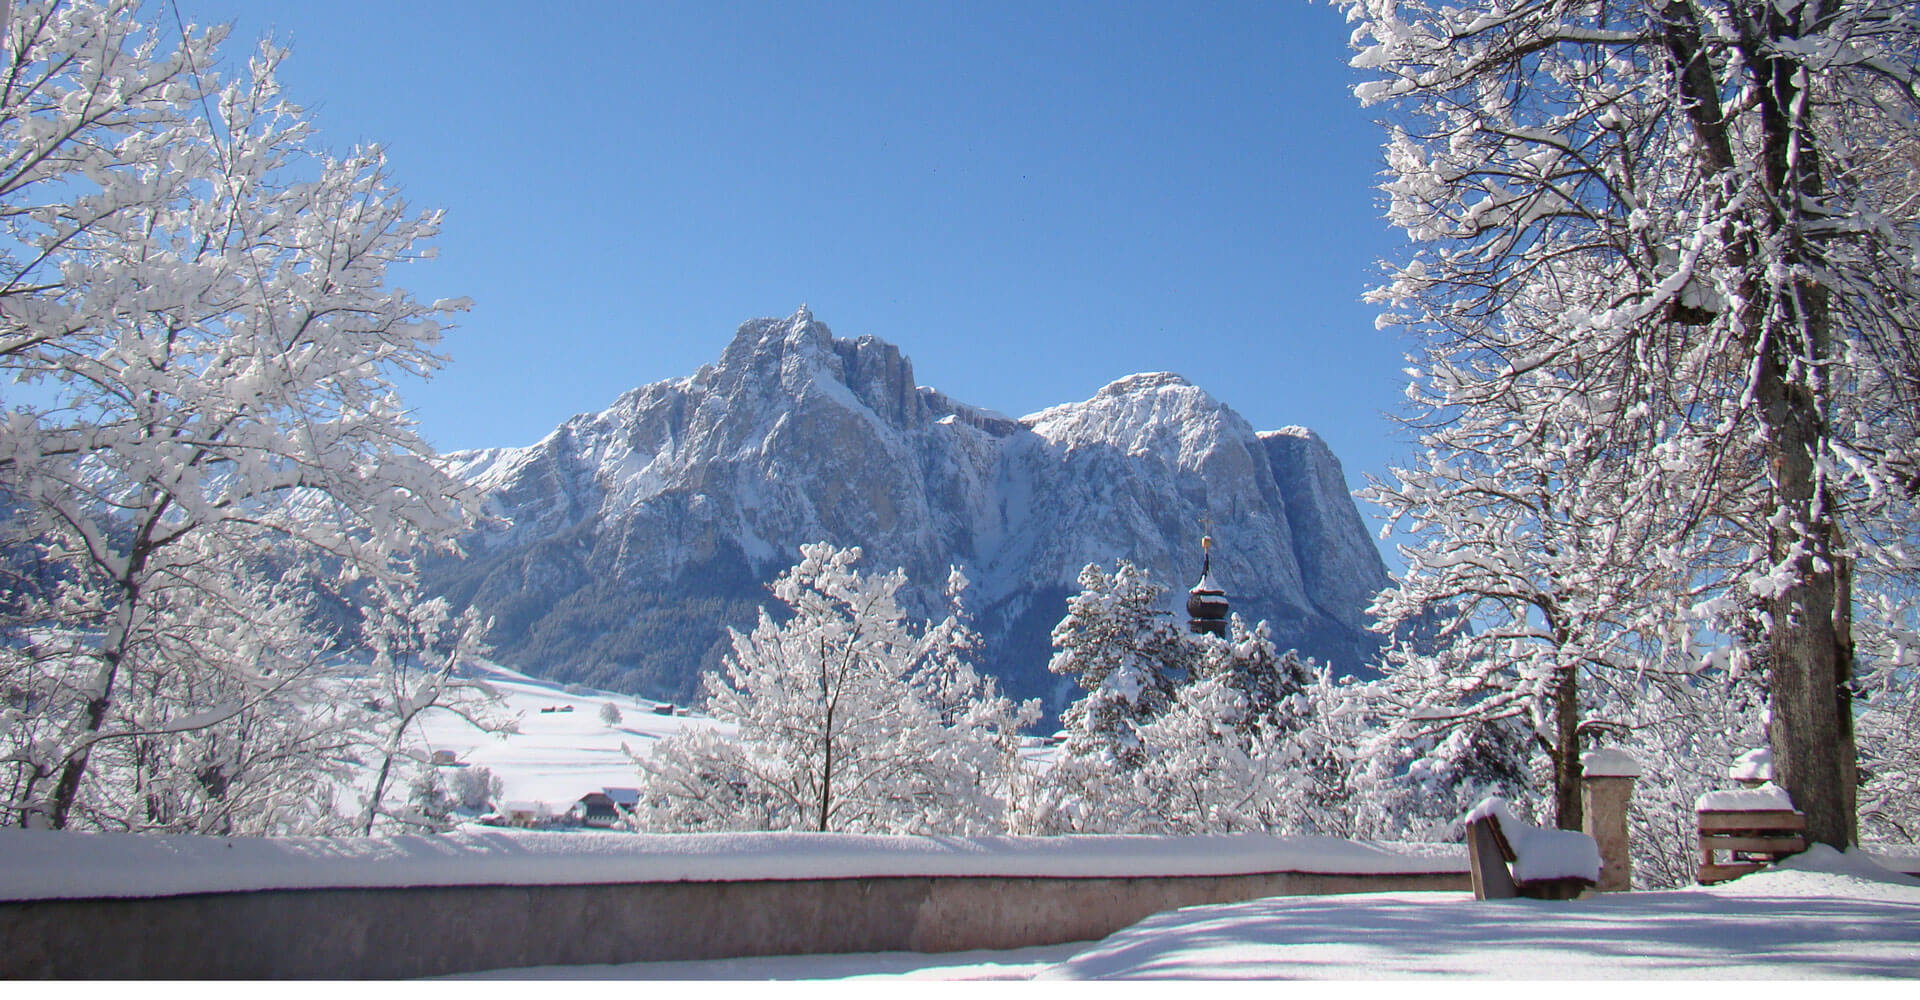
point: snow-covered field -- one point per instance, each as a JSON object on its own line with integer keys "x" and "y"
{"x": 557, "y": 756}
{"x": 1818, "y": 916}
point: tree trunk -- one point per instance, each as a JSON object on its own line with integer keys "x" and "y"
{"x": 1811, "y": 725}
{"x": 1788, "y": 330}
{"x": 67, "y": 789}
{"x": 1567, "y": 811}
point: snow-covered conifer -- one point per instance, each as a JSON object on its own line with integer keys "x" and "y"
{"x": 1122, "y": 648}
{"x": 1188, "y": 734}
{"x": 1272, "y": 685}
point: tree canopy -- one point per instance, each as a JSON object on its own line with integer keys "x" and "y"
{"x": 204, "y": 458}
{"x": 1664, "y": 284}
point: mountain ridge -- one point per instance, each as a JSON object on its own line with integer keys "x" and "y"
{"x": 620, "y": 547}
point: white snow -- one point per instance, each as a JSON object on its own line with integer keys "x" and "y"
{"x": 556, "y": 757}
{"x": 1823, "y": 915}
{"x": 1819, "y": 915}
{"x": 1608, "y": 762}
{"x": 1541, "y": 854}
{"x": 38, "y": 864}
{"x": 1754, "y": 765}
{"x": 1765, "y": 798}
{"x": 973, "y": 966}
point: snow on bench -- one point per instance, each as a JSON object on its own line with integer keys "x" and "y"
{"x": 1767, "y": 798}
{"x": 1510, "y": 857}
{"x": 1754, "y": 826}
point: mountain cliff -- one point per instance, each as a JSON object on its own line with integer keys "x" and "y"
{"x": 620, "y": 547}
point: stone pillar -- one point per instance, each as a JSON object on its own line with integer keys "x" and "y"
{"x": 1605, "y": 788}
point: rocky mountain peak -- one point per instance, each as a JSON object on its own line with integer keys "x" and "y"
{"x": 799, "y": 357}
{"x": 770, "y": 345}
{"x": 1144, "y": 382}
{"x": 623, "y": 546}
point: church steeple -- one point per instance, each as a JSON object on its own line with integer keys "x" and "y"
{"x": 1207, "y": 606}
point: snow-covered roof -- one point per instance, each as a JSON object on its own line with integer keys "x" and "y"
{"x": 38, "y": 864}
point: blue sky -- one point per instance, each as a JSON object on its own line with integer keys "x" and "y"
{"x": 1030, "y": 199}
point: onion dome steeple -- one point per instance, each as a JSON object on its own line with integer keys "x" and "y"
{"x": 1206, "y": 603}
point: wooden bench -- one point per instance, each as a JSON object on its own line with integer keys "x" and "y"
{"x": 1751, "y": 838}
{"x": 1490, "y": 852}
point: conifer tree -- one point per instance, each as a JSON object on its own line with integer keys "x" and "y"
{"x": 1123, "y": 650}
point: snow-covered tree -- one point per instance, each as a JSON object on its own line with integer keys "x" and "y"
{"x": 200, "y": 342}
{"x": 1273, "y": 686}
{"x": 1557, "y": 591}
{"x": 1189, "y": 733}
{"x": 846, "y": 717}
{"x": 1337, "y": 778}
{"x": 610, "y": 714}
{"x": 1654, "y": 254}
{"x": 1122, "y": 648}
{"x": 706, "y": 781}
{"x": 1685, "y": 736}
{"x": 1890, "y": 764}
{"x": 430, "y": 803}
{"x": 1201, "y": 768}
{"x": 419, "y": 647}
{"x": 1889, "y": 701}
{"x": 477, "y": 789}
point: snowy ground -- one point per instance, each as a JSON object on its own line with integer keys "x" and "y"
{"x": 1819, "y": 916}
{"x": 556, "y": 757}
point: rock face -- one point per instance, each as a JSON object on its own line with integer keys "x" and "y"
{"x": 626, "y": 542}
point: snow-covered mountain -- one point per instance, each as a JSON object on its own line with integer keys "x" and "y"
{"x": 627, "y": 540}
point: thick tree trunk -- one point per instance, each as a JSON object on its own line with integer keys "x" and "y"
{"x": 1787, "y": 328}
{"x": 1811, "y": 718}
{"x": 1811, "y": 725}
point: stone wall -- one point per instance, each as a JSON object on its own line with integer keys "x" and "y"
{"x": 388, "y": 933}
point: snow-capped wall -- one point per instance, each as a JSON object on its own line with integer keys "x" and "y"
{"x": 121, "y": 906}
{"x": 40, "y": 865}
